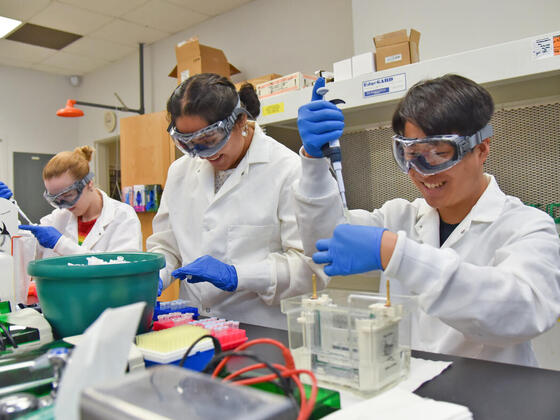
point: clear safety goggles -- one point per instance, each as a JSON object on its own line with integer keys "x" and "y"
{"x": 434, "y": 154}
{"x": 209, "y": 140}
{"x": 70, "y": 195}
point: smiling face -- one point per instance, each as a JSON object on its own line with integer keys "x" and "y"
{"x": 59, "y": 183}
{"x": 455, "y": 191}
{"x": 229, "y": 155}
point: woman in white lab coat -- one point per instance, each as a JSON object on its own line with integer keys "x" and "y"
{"x": 484, "y": 267}
{"x": 85, "y": 219}
{"x": 226, "y": 221}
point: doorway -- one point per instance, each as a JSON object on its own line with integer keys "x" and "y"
{"x": 28, "y": 184}
{"x": 108, "y": 166}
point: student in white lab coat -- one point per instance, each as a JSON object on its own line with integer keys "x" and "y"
{"x": 226, "y": 222}
{"x": 485, "y": 268}
{"x": 85, "y": 219}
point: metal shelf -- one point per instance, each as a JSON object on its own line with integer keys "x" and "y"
{"x": 510, "y": 71}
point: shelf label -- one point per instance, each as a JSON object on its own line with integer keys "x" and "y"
{"x": 547, "y": 46}
{"x": 384, "y": 85}
{"x": 273, "y": 109}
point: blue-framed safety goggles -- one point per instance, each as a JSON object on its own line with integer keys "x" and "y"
{"x": 70, "y": 195}
{"x": 434, "y": 154}
{"x": 209, "y": 140}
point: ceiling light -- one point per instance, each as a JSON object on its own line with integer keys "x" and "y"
{"x": 7, "y": 25}
{"x": 69, "y": 110}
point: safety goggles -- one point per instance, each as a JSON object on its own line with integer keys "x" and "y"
{"x": 209, "y": 140}
{"x": 434, "y": 154}
{"x": 70, "y": 195}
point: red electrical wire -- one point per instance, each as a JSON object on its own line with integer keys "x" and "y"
{"x": 288, "y": 371}
{"x": 285, "y": 353}
{"x": 306, "y": 406}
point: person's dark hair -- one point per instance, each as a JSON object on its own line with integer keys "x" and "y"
{"x": 450, "y": 104}
{"x": 250, "y": 100}
{"x": 212, "y": 97}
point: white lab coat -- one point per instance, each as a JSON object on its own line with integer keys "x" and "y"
{"x": 116, "y": 229}
{"x": 249, "y": 222}
{"x": 491, "y": 287}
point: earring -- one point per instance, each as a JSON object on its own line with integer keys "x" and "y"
{"x": 244, "y": 131}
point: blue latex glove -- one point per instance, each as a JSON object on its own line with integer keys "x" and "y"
{"x": 207, "y": 268}
{"x": 159, "y": 287}
{"x": 353, "y": 249}
{"x": 319, "y": 122}
{"x": 46, "y": 235}
{"x": 5, "y": 191}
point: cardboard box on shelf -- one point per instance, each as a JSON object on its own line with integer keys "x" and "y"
{"x": 396, "y": 49}
{"x": 294, "y": 81}
{"x": 195, "y": 58}
{"x": 258, "y": 80}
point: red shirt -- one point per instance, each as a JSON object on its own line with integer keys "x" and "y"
{"x": 83, "y": 229}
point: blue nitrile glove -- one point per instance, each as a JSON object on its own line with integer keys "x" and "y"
{"x": 46, "y": 235}
{"x": 5, "y": 191}
{"x": 353, "y": 249}
{"x": 207, "y": 268}
{"x": 319, "y": 122}
{"x": 159, "y": 287}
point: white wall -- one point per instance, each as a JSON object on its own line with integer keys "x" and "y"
{"x": 453, "y": 26}
{"x": 261, "y": 37}
{"x": 99, "y": 87}
{"x": 28, "y": 123}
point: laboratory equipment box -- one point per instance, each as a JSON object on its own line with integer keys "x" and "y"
{"x": 139, "y": 198}
{"x": 152, "y": 193}
{"x": 356, "y": 340}
{"x": 128, "y": 195}
{"x": 258, "y": 80}
{"x": 294, "y": 81}
{"x": 169, "y": 392}
{"x": 396, "y": 49}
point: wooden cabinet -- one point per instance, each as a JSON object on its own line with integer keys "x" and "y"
{"x": 146, "y": 153}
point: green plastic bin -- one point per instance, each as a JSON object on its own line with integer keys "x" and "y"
{"x": 72, "y": 297}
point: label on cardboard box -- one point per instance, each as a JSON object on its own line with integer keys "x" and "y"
{"x": 393, "y": 58}
{"x": 384, "y": 85}
{"x": 185, "y": 74}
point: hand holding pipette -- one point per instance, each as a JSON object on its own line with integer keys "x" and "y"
{"x": 320, "y": 125}
{"x": 6, "y": 192}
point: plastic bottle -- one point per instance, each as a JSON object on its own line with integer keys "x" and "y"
{"x": 7, "y": 286}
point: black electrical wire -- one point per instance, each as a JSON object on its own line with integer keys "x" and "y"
{"x": 284, "y": 382}
{"x": 217, "y": 347}
{"x": 8, "y": 335}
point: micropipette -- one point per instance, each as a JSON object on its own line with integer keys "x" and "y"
{"x": 20, "y": 211}
{"x": 332, "y": 151}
